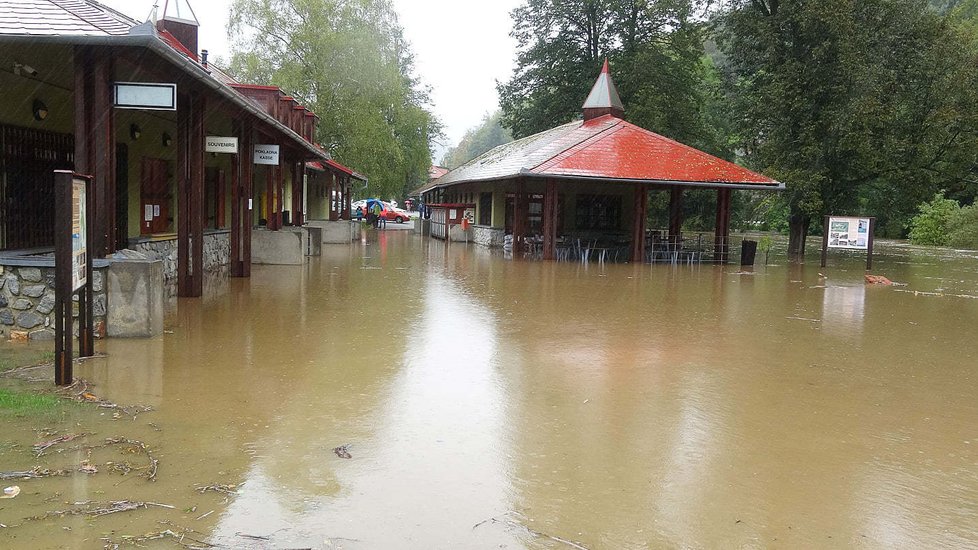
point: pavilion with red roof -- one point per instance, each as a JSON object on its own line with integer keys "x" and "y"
{"x": 588, "y": 177}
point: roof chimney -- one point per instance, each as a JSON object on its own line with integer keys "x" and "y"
{"x": 603, "y": 99}
{"x": 180, "y": 21}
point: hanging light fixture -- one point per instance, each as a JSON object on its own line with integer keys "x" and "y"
{"x": 135, "y": 131}
{"x": 167, "y": 140}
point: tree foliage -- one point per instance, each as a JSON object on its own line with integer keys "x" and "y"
{"x": 478, "y": 140}
{"x": 656, "y": 49}
{"x": 932, "y": 224}
{"x": 859, "y": 105}
{"x": 348, "y": 61}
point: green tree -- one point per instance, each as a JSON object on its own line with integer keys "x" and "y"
{"x": 856, "y": 104}
{"x": 478, "y": 140}
{"x": 656, "y": 50}
{"x": 932, "y": 225}
{"x": 348, "y": 61}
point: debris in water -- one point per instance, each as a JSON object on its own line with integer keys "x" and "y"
{"x": 224, "y": 489}
{"x": 878, "y": 280}
{"x": 10, "y": 492}
{"x": 39, "y": 448}
{"x": 343, "y": 451}
{"x": 510, "y": 523}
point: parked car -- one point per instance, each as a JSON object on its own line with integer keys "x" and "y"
{"x": 393, "y": 213}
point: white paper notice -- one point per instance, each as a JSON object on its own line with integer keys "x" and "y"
{"x": 249, "y": 204}
{"x": 156, "y": 210}
{"x": 148, "y": 213}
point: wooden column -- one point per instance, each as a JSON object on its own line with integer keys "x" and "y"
{"x": 104, "y": 154}
{"x": 298, "y": 170}
{"x": 722, "y": 235}
{"x": 639, "y": 223}
{"x": 521, "y": 210}
{"x": 236, "y": 210}
{"x": 550, "y": 221}
{"x": 348, "y": 199}
{"x": 280, "y": 195}
{"x": 190, "y": 195}
{"x": 84, "y": 164}
{"x": 198, "y": 212}
{"x": 331, "y": 196}
{"x": 247, "y": 196}
{"x": 675, "y": 214}
{"x": 270, "y": 198}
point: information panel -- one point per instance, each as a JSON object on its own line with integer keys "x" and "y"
{"x": 849, "y": 233}
{"x": 79, "y": 251}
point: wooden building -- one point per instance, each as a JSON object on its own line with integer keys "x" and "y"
{"x": 74, "y": 73}
{"x": 589, "y": 180}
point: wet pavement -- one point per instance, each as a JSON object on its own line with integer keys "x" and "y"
{"x": 488, "y": 403}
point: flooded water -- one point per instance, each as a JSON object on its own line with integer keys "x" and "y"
{"x": 488, "y": 403}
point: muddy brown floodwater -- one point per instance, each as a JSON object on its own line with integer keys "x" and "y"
{"x": 488, "y": 403}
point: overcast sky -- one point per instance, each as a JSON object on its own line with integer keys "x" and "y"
{"x": 461, "y": 49}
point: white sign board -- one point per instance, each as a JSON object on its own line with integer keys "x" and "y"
{"x": 266, "y": 154}
{"x": 145, "y": 95}
{"x": 79, "y": 252}
{"x": 217, "y": 144}
{"x": 849, "y": 233}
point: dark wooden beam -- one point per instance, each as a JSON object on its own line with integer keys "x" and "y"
{"x": 721, "y": 246}
{"x": 103, "y": 122}
{"x": 196, "y": 199}
{"x": 183, "y": 195}
{"x": 639, "y": 222}
{"x": 521, "y": 209}
{"x": 550, "y": 221}
{"x": 675, "y": 214}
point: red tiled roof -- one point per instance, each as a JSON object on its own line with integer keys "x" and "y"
{"x": 437, "y": 172}
{"x": 626, "y": 151}
{"x": 604, "y": 148}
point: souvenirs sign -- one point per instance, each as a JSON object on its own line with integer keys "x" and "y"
{"x": 218, "y": 144}
{"x": 848, "y": 233}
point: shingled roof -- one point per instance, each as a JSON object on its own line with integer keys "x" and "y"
{"x": 605, "y": 148}
{"x": 89, "y": 22}
{"x": 62, "y": 17}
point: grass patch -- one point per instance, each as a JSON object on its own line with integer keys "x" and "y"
{"x": 16, "y": 403}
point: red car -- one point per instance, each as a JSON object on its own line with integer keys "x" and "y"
{"x": 392, "y": 213}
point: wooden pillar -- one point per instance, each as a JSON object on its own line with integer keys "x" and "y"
{"x": 331, "y": 193}
{"x": 639, "y": 223}
{"x": 348, "y": 199}
{"x": 236, "y": 210}
{"x": 104, "y": 150}
{"x": 722, "y": 235}
{"x": 198, "y": 212}
{"x": 675, "y": 214}
{"x": 270, "y": 197}
{"x": 190, "y": 195}
{"x": 247, "y": 196}
{"x": 550, "y": 221}
{"x": 280, "y": 195}
{"x": 521, "y": 210}
{"x": 298, "y": 171}
{"x": 84, "y": 164}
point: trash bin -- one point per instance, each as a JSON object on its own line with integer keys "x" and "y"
{"x": 747, "y": 252}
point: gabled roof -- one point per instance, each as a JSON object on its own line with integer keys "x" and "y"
{"x": 607, "y": 149}
{"x": 61, "y": 17}
{"x": 79, "y": 22}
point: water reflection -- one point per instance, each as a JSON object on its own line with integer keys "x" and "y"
{"x": 620, "y": 406}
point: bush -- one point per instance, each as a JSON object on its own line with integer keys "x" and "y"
{"x": 964, "y": 228}
{"x": 933, "y": 224}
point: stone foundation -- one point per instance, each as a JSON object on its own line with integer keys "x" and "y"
{"x": 217, "y": 253}
{"x": 488, "y": 236}
{"x": 338, "y": 232}
{"x": 284, "y": 247}
{"x": 27, "y": 301}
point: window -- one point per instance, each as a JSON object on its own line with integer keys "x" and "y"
{"x": 598, "y": 212}
{"x": 485, "y": 208}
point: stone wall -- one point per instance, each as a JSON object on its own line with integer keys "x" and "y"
{"x": 488, "y": 236}
{"x": 27, "y": 301}
{"x": 217, "y": 253}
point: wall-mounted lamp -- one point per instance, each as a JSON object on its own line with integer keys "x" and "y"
{"x": 24, "y": 70}
{"x": 40, "y": 110}
{"x": 167, "y": 140}
{"x": 135, "y": 131}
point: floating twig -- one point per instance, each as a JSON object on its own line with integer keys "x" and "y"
{"x": 39, "y": 448}
{"x": 224, "y": 489}
{"x": 343, "y": 451}
{"x": 113, "y": 507}
{"x": 34, "y": 473}
{"x": 511, "y": 523}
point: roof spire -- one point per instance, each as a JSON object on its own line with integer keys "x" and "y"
{"x": 603, "y": 99}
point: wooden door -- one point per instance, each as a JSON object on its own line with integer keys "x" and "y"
{"x": 154, "y": 197}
